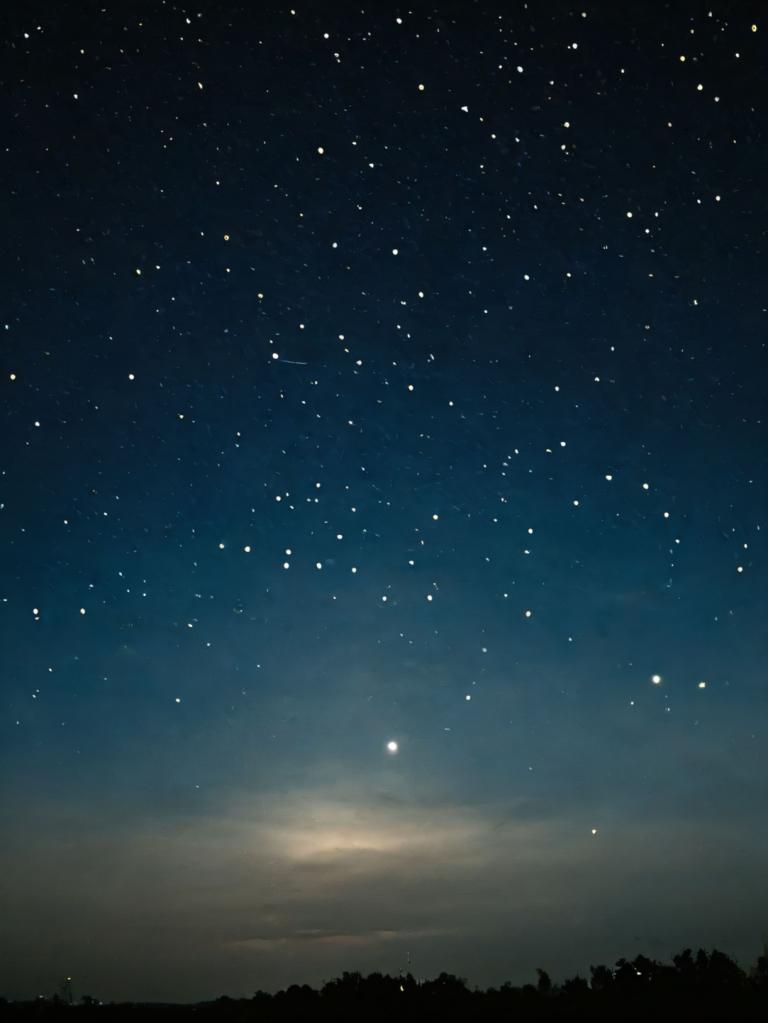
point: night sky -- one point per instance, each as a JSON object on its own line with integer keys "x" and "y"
{"x": 382, "y": 491}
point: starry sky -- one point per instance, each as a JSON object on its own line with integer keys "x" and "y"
{"x": 382, "y": 490}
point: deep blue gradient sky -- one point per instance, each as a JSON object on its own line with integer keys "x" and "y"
{"x": 379, "y": 376}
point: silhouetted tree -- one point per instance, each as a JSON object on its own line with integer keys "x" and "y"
{"x": 722, "y": 972}
{"x": 602, "y": 978}
{"x": 759, "y": 972}
{"x": 575, "y": 987}
{"x": 684, "y": 964}
{"x": 704, "y": 986}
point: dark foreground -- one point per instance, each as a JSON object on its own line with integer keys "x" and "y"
{"x": 705, "y": 986}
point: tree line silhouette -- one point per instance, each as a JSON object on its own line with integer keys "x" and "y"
{"x": 707, "y": 986}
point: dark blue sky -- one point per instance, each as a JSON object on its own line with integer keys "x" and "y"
{"x": 380, "y": 377}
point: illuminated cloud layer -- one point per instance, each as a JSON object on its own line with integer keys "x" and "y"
{"x": 299, "y": 886}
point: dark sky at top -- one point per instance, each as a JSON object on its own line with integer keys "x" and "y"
{"x": 379, "y": 375}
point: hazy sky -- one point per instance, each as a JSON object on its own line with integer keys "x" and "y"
{"x": 373, "y": 378}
